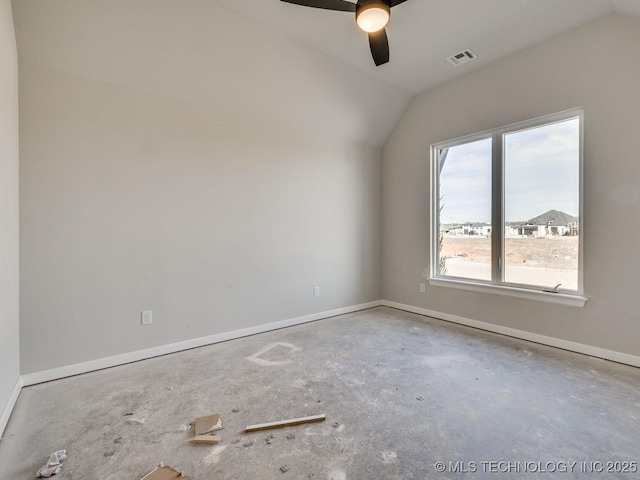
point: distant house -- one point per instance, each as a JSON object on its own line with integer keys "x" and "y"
{"x": 552, "y": 222}
{"x": 512, "y": 229}
{"x": 480, "y": 229}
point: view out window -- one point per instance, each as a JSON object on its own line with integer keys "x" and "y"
{"x": 506, "y": 206}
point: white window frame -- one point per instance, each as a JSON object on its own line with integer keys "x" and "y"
{"x": 497, "y": 285}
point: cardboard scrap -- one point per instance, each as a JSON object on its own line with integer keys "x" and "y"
{"x": 53, "y": 465}
{"x": 165, "y": 472}
{"x": 203, "y": 428}
{"x": 204, "y": 425}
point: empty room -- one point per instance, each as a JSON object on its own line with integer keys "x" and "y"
{"x": 319, "y": 239}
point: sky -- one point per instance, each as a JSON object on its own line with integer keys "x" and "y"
{"x": 541, "y": 174}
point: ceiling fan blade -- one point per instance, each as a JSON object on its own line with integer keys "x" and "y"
{"x": 338, "y": 5}
{"x": 393, "y": 3}
{"x": 379, "y": 47}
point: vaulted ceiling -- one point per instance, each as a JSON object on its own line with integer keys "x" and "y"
{"x": 303, "y": 69}
{"x": 423, "y": 33}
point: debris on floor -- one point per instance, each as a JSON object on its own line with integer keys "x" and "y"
{"x": 419, "y": 399}
{"x": 284, "y": 468}
{"x": 138, "y": 421}
{"x": 291, "y": 436}
{"x": 205, "y": 440}
{"x": 249, "y": 444}
{"x": 165, "y": 472}
{"x": 235, "y": 410}
{"x": 285, "y": 423}
{"x": 53, "y": 465}
{"x": 204, "y": 425}
{"x": 118, "y": 440}
{"x": 203, "y": 429}
{"x": 269, "y": 439}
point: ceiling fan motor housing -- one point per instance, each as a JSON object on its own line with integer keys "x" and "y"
{"x": 365, "y": 3}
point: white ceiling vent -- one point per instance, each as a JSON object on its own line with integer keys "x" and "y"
{"x": 462, "y": 57}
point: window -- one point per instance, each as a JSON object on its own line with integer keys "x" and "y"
{"x": 506, "y": 209}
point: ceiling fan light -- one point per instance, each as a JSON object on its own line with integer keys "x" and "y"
{"x": 373, "y": 17}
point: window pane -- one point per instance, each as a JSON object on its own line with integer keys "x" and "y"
{"x": 541, "y": 204}
{"x": 465, "y": 211}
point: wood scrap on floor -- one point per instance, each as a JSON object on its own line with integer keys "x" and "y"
{"x": 286, "y": 423}
{"x": 205, "y": 439}
{"x": 165, "y": 472}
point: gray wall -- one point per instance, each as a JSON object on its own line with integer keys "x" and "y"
{"x": 131, "y": 201}
{"x": 594, "y": 66}
{"x": 192, "y": 162}
{"x": 9, "y": 328}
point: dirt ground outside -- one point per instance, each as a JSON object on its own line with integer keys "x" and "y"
{"x": 542, "y": 261}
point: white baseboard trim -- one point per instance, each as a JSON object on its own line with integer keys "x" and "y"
{"x": 99, "y": 364}
{"x": 522, "y": 334}
{"x": 92, "y": 365}
{"x": 6, "y": 413}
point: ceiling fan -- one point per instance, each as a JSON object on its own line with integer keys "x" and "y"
{"x": 371, "y": 16}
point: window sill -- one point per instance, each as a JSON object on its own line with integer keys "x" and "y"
{"x": 557, "y": 298}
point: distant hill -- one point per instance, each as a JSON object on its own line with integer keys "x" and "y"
{"x": 553, "y": 217}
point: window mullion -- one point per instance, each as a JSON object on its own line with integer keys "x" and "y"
{"x": 497, "y": 210}
{"x": 435, "y": 210}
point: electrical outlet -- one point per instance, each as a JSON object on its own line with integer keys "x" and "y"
{"x": 316, "y": 291}
{"x": 423, "y": 288}
{"x": 147, "y": 317}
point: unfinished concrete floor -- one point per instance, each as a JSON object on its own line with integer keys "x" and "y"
{"x": 400, "y": 392}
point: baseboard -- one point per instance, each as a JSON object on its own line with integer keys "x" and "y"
{"x": 522, "y": 334}
{"x": 6, "y": 413}
{"x": 99, "y": 364}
